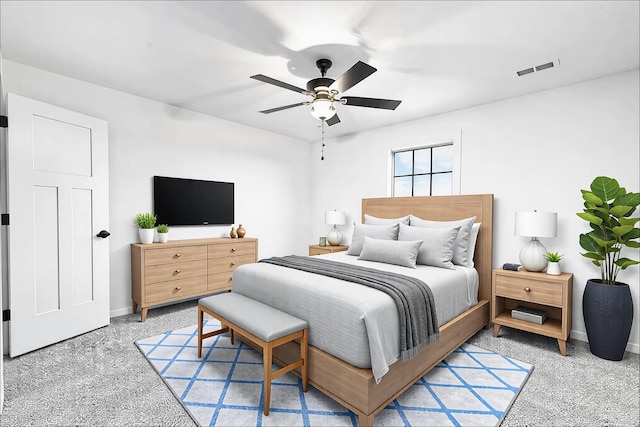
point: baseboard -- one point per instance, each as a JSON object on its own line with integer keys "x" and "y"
{"x": 120, "y": 312}
{"x": 582, "y": 336}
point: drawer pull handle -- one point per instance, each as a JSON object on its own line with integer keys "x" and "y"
{"x": 178, "y": 271}
{"x": 178, "y": 288}
{"x": 527, "y": 289}
{"x": 233, "y": 249}
{"x": 178, "y": 255}
{"x": 233, "y": 263}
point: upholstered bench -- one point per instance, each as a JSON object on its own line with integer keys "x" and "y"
{"x": 265, "y": 326}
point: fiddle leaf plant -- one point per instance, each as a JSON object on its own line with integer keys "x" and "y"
{"x": 608, "y": 209}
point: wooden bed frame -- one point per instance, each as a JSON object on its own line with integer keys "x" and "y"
{"x": 355, "y": 388}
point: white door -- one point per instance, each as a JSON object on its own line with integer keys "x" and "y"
{"x": 58, "y": 201}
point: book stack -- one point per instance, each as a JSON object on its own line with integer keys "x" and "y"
{"x": 529, "y": 314}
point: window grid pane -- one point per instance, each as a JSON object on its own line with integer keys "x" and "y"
{"x": 423, "y": 171}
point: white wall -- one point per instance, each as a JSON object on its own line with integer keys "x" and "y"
{"x": 146, "y": 138}
{"x": 531, "y": 152}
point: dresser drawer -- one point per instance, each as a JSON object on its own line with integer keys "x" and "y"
{"x": 233, "y": 248}
{"x": 169, "y": 255}
{"x": 182, "y": 270}
{"x": 548, "y": 293}
{"x": 221, "y": 265}
{"x": 219, "y": 282}
{"x": 175, "y": 289}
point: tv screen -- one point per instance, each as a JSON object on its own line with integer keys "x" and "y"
{"x": 180, "y": 201}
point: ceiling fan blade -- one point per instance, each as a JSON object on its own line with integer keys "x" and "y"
{"x": 333, "y": 120}
{"x": 353, "y": 76}
{"x": 275, "y": 82}
{"x": 387, "y": 104}
{"x": 273, "y": 110}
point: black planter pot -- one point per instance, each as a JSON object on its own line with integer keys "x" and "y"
{"x": 608, "y": 315}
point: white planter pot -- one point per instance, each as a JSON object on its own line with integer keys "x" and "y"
{"x": 146, "y": 235}
{"x": 163, "y": 237}
{"x": 553, "y": 268}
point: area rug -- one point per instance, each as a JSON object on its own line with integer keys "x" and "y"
{"x": 472, "y": 387}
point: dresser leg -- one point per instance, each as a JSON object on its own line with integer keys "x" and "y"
{"x": 496, "y": 329}
{"x": 563, "y": 347}
{"x": 143, "y": 314}
{"x": 135, "y": 307}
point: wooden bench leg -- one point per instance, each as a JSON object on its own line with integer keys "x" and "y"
{"x": 304, "y": 354}
{"x": 200, "y": 326}
{"x": 266, "y": 360}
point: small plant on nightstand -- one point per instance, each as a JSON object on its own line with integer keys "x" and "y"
{"x": 553, "y": 268}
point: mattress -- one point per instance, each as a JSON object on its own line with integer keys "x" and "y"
{"x": 352, "y": 322}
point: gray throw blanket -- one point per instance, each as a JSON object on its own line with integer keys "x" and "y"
{"x": 418, "y": 321}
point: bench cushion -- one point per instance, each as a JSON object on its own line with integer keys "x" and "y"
{"x": 265, "y": 322}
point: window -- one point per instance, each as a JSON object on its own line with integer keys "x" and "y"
{"x": 426, "y": 171}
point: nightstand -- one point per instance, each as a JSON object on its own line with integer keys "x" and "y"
{"x": 541, "y": 291}
{"x": 320, "y": 250}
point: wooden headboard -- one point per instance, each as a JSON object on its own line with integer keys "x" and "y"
{"x": 446, "y": 208}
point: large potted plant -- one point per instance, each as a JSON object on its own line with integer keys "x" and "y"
{"x": 606, "y": 303}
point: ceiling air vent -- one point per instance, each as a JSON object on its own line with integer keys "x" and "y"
{"x": 537, "y": 68}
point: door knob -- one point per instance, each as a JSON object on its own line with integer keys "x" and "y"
{"x": 103, "y": 234}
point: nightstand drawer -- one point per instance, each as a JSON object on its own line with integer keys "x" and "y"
{"x": 524, "y": 289}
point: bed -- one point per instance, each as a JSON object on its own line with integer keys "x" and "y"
{"x": 348, "y": 362}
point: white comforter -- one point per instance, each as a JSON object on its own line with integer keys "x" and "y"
{"x": 353, "y": 322}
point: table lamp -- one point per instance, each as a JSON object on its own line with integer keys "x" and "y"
{"x": 535, "y": 224}
{"x": 334, "y": 237}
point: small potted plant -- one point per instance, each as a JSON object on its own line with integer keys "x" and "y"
{"x": 145, "y": 223}
{"x": 607, "y": 305}
{"x": 553, "y": 267}
{"x": 163, "y": 233}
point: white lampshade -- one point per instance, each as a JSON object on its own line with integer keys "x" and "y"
{"x": 535, "y": 224}
{"x": 335, "y": 217}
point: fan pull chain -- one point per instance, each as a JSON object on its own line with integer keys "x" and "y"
{"x": 322, "y": 139}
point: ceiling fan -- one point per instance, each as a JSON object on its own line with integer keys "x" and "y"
{"x": 325, "y": 92}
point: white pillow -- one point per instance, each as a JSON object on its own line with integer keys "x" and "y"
{"x": 461, "y": 249}
{"x": 372, "y": 220}
{"x": 403, "y": 253}
{"x": 386, "y": 232}
{"x": 437, "y": 246}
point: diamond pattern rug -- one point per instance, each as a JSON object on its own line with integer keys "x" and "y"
{"x": 472, "y": 387}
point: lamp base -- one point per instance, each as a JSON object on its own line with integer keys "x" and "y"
{"x": 334, "y": 237}
{"x": 532, "y": 255}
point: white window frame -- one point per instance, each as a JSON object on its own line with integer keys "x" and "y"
{"x": 455, "y": 142}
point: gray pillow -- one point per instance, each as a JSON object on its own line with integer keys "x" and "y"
{"x": 461, "y": 249}
{"x": 391, "y": 251}
{"x": 372, "y": 220}
{"x": 386, "y": 232}
{"x": 437, "y": 246}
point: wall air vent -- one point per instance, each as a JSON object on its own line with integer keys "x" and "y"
{"x": 537, "y": 68}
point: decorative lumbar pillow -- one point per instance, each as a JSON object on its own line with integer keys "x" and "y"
{"x": 360, "y": 231}
{"x": 437, "y": 246}
{"x": 395, "y": 252}
{"x": 461, "y": 249}
{"x": 372, "y": 220}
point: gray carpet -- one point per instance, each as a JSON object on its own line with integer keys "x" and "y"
{"x": 101, "y": 378}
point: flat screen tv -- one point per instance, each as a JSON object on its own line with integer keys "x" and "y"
{"x": 180, "y": 201}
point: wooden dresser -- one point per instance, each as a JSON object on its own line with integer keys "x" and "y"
{"x": 162, "y": 273}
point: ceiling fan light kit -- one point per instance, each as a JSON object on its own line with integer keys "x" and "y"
{"x": 325, "y": 92}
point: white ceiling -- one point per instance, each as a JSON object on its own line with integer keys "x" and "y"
{"x": 435, "y": 56}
